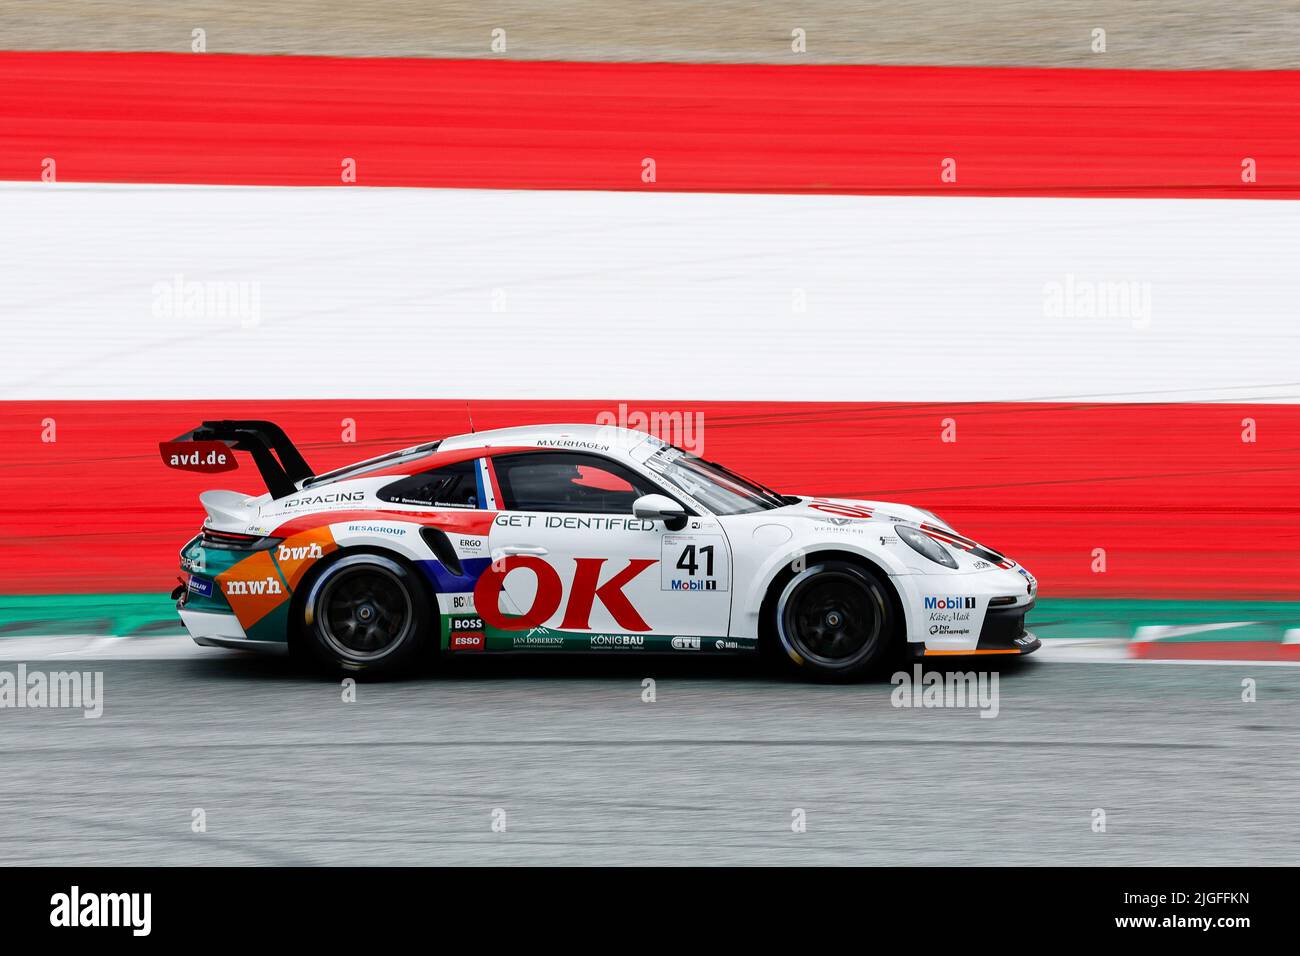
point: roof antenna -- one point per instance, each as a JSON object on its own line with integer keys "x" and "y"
{"x": 470, "y": 416}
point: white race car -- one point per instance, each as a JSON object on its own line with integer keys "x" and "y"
{"x": 563, "y": 538}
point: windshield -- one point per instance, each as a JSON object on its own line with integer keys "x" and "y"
{"x": 719, "y": 489}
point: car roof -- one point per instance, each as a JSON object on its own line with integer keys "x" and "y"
{"x": 600, "y": 439}
{"x": 575, "y": 437}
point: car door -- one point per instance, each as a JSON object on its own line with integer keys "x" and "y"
{"x": 583, "y": 573}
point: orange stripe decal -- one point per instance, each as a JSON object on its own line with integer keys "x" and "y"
{"x": 987, "y": 650}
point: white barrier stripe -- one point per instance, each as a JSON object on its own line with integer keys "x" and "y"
{"x": 120, "y": 292}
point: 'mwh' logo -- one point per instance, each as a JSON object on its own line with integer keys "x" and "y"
{"x": 299, "y": 552}
{"x": 260, "y": 586}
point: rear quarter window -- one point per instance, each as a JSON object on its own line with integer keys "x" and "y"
{"x": 451, "y": 486}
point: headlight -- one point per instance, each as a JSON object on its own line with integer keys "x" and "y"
{"x": 926, "y": 546}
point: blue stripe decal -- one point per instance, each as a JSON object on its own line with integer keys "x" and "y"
{"x": 445, "y": 582}
{"x": 478, "y": 478}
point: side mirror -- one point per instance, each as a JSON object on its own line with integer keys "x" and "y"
{"x": 660, "y": 508}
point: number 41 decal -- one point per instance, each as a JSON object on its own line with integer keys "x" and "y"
{"x": 688, "y": 563}
{"x": 694, "y": 562}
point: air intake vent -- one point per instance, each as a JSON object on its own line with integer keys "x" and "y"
{"x": 440, "y": 545}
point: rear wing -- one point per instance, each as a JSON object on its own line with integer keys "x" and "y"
{"x": 204, "y": 449}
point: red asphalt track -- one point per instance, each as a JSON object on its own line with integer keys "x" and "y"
{"x": 205, "y": 118}
{"x": 1183, "y": 508}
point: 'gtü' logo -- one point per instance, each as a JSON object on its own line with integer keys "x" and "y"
{"x": 103, "y": 909}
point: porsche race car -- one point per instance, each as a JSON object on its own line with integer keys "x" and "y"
{"x": 573, "y": 538}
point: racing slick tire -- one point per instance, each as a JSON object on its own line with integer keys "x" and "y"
{"x": 366, "y": 613}
{"x": 835, "y": 621}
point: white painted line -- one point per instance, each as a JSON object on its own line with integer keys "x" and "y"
{"x": 1082, "y": 650}
{"x": 91, "y": 648}
{"x": 1215, "y": 663}
{"x": 97, "y": 648}
{"x": 1160, "y": 632}
{"x": 1116, "y": 651}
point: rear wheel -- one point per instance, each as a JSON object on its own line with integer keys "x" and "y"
{"x": 835, "y": 621}
{"x": 366, "y": 612}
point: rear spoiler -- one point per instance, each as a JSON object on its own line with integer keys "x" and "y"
{"x": 281, "y": 464}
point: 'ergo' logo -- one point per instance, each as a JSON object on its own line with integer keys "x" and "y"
{"x": 583, "y": 594}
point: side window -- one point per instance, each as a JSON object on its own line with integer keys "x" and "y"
{"x": 451, "y": 486}
{"x": 566, "y": 481}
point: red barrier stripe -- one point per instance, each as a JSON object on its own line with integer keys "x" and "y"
{"x": 1182, "y": 507}
{"x": 1214, "y": 651}
{"x": 176, "y": 118}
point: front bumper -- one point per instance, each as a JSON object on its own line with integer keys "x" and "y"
{"x": 970, "y": 613}
{"x": 1002, "y": 633}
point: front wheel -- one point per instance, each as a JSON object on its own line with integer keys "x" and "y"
{"x": 835, "y": 621}
{"x": 366, "y": 612}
